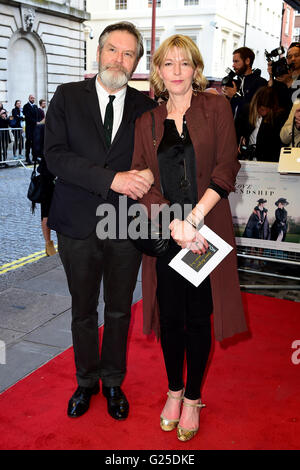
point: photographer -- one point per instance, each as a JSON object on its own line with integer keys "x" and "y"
{"x": 285, "y": 73}
{"x": 248, "y": 82}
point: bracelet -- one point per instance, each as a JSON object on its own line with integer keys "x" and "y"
{"x": 191, "y": 222}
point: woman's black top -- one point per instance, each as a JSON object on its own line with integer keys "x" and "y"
{"x": 177, "y": 166}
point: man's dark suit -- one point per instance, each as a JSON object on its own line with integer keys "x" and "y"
{"x": 76, "y": 153}
{"x": 31, "y": 117}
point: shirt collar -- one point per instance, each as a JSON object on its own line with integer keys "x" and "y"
{"x": 103, "y": 94}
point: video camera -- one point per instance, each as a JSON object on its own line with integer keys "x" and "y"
{"x": 230, "y": 78}
{"x": 279, "y": 67}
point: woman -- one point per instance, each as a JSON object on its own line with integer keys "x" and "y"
{"x": 280, "y": 224}
{"x": 258, "y": 224}
{"x": 47, "y": 185}
{"x": 16, "y": 123}
{"x": 260, "y": 127}
{"x": 193, "y": 160}
{"x": 290, "y": 131}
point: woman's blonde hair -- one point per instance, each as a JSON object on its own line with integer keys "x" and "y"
{"x": 192, "y": 54}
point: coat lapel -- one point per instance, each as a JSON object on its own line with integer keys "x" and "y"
{"x": 128, "y": 115}
{"x": 92, "y": 103}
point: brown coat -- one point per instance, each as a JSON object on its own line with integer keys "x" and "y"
{"x": 211, "y": 128}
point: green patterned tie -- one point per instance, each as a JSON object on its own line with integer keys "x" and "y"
{"x": 109, "y": 120}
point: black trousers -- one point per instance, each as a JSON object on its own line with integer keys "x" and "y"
{"x": 185, "y": 325}
{"x": 85, "y": 263}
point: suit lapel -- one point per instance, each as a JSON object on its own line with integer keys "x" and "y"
{"x": 92, "y": 103}
{"x": 128, "y": 115}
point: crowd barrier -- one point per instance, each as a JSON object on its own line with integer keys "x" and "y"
{"x": 11, "y": 145}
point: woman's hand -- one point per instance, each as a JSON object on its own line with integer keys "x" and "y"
{"x": 186, "y": 236}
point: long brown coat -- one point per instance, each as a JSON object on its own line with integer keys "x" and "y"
{"x": 210, "y": 124}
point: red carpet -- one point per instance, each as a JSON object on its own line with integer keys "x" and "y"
{"x": 252, "y": 393}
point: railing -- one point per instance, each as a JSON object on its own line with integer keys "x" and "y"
{"x": 11, "y": 145}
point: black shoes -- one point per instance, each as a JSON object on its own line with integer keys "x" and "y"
{"x": 80, "y": 401}
{"x": 117, "y": 404}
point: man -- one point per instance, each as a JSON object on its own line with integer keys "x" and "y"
{"x": 251, "y": 81}
{"x": 92, "y": 163}
{"x": 293, "y": 60}
{"x": 30, "y": 111}
{"x": 41, "y": 111}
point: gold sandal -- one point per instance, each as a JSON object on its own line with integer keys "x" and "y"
{"x": 170, "y": 424}
{"x": 184, "y": 434}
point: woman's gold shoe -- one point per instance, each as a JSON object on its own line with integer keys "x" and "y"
{"x": 170, "y": 424}
{"x": 184, "y": 434}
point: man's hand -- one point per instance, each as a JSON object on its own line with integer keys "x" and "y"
{"x": 148, "y": 175}
{"x": 131, "y": 183}
{"x": 228, "y": 91}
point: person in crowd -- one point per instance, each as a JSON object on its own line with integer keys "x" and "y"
{"x": 47, "y": 184}
{"x": 16, "y": 123}
{"x": 259, "y": 127}
{"x": 193, "y": 160}
{"x": 258, "y": 223}
{"x": 41, "y": 111}
{"x": 251, "y": 81}
{"x": 290, "y": 131}
{"x": 30, "y": 111}
{"x": 280, "y": 225}
{"x": 4, "y": 136}
{"x": 90, "y": 152}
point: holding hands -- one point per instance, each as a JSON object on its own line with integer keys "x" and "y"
{"x": 134, "y": 184}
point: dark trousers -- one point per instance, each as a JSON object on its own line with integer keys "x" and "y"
{"x": 185, "y": 325}
{"x": 29, "y": 143}
{"x": 85, "y": 263}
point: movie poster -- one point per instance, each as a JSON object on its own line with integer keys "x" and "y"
{"x": 266, "y": 207}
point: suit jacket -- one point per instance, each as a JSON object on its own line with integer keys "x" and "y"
{"x": 211, "y": 128}
{"x": 76, "y": 153}
{"x": 31, "y": 117}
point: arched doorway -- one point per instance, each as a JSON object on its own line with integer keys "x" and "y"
{"x": 27, "y": 68}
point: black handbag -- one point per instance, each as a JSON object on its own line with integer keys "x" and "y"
{"x": 157, "y": 243}
{"x": 34, "y": 192}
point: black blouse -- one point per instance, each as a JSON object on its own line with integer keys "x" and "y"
{"x": 177, "y": 166}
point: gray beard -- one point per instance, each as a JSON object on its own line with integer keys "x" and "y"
{"x": 114, "y": 80}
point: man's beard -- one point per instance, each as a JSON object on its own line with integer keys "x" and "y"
{"x": 242, "y": 70}
{"x": 114, "y": 79}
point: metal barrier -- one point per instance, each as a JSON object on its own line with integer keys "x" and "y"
{"x": 11, "y": 145}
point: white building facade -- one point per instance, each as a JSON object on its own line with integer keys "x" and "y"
{"x": 217, "y": 26}
{"x": 42, "y": 44}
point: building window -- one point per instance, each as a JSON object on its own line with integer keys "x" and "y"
{"x": 191, "y": 2}
{"x": 121, "y": 4}
{"x": 148, "y": 52}
{"x": 158, "y": 3}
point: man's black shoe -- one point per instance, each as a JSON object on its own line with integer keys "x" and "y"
{"x": 80, "y": 401}
{"x": 117, "y": 404}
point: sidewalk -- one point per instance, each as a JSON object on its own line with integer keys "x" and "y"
{"x": 35, "y": 317}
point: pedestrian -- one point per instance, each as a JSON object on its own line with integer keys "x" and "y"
{"x": 30, "y": 111}
{"x": 16, "y": 123}
{"x": 89, "y": 138}
{"x": 47, "y": 181}
{"x": 193, "y": 159}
